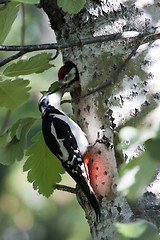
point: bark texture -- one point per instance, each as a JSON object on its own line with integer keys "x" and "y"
{"x": 107, "y": 110}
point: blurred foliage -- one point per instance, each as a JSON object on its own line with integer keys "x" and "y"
{"x": 7, "y": 16}
{"x": 13, "y": 142}
{"x": 24, "y": 214}
{"x": 139, "y": 230}
{"x": 139, "y": 171}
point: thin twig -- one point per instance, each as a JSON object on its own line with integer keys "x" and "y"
{"x": 9, "y": 59}
{"x": 78, "y": 42}
{"x": 56, "y": 55}
{"x": 111, "y": 81}
{"x": 65, "y": 188}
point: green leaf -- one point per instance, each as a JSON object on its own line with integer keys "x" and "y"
{"x": 27, "y": 1}
{"x": 139, "y": 230}
{"x": 14, "y": 141}
{"x": 36, "y": 64}
{"x": 43, "y": 167}
{"x": 7, "y": 17}
{"x": 13, "y": 93}
{"x": 71, "y": 6}
{"x": 137, "y": 174}
{"x": 53, "y": 86}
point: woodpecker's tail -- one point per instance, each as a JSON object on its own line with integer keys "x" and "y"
{"x": 92, "y": 199}
{"x": 84, "y": 184}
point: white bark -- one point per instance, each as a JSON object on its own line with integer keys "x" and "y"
{"x": 119, "y": 102}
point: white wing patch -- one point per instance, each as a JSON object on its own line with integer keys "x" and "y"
{"x": 60, "y": 141}
{"x": 77, "y": 132}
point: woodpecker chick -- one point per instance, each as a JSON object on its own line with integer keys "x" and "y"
{"x": 68, "y": 76}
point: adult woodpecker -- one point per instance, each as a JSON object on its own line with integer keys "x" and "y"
{"x": 64, "y": 137}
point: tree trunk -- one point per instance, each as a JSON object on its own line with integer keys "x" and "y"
{"x": 129, "y": 68}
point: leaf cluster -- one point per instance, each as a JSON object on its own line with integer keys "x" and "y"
{"x": 43, "y": 168}
{"x": 13, "y": 141}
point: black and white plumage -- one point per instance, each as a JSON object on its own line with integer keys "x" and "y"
{"x": 67, "y": 142}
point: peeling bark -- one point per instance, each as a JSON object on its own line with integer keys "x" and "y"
{"x": 117, "y": 104}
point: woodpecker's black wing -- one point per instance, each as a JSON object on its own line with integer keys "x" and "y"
{"x": 62, "y": 143}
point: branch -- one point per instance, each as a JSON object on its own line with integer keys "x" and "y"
{"x": 80, "y": 42}
{"x": 9, "y": 59}
{"x": 86, "y": 41}
{"x": 65, "y": 188}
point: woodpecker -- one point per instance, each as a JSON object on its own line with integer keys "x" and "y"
{"x": 64, "y": 137}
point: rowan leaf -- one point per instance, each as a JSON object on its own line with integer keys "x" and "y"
{"x": 43, "y": 167}
{"x": 7, "y": 17}
{"x": 36, "y": 64}
{"x": 13, "y": 142}
{"x": 13, "y": 93}
{"x": 71, "y": 6}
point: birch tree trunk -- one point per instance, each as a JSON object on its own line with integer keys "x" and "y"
{"x": 130, "y": 67}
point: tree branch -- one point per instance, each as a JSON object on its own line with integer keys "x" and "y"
{"x": 9, "y": 59}
{"x": 79, "y": 42}
{"x": 65, "y": 188}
